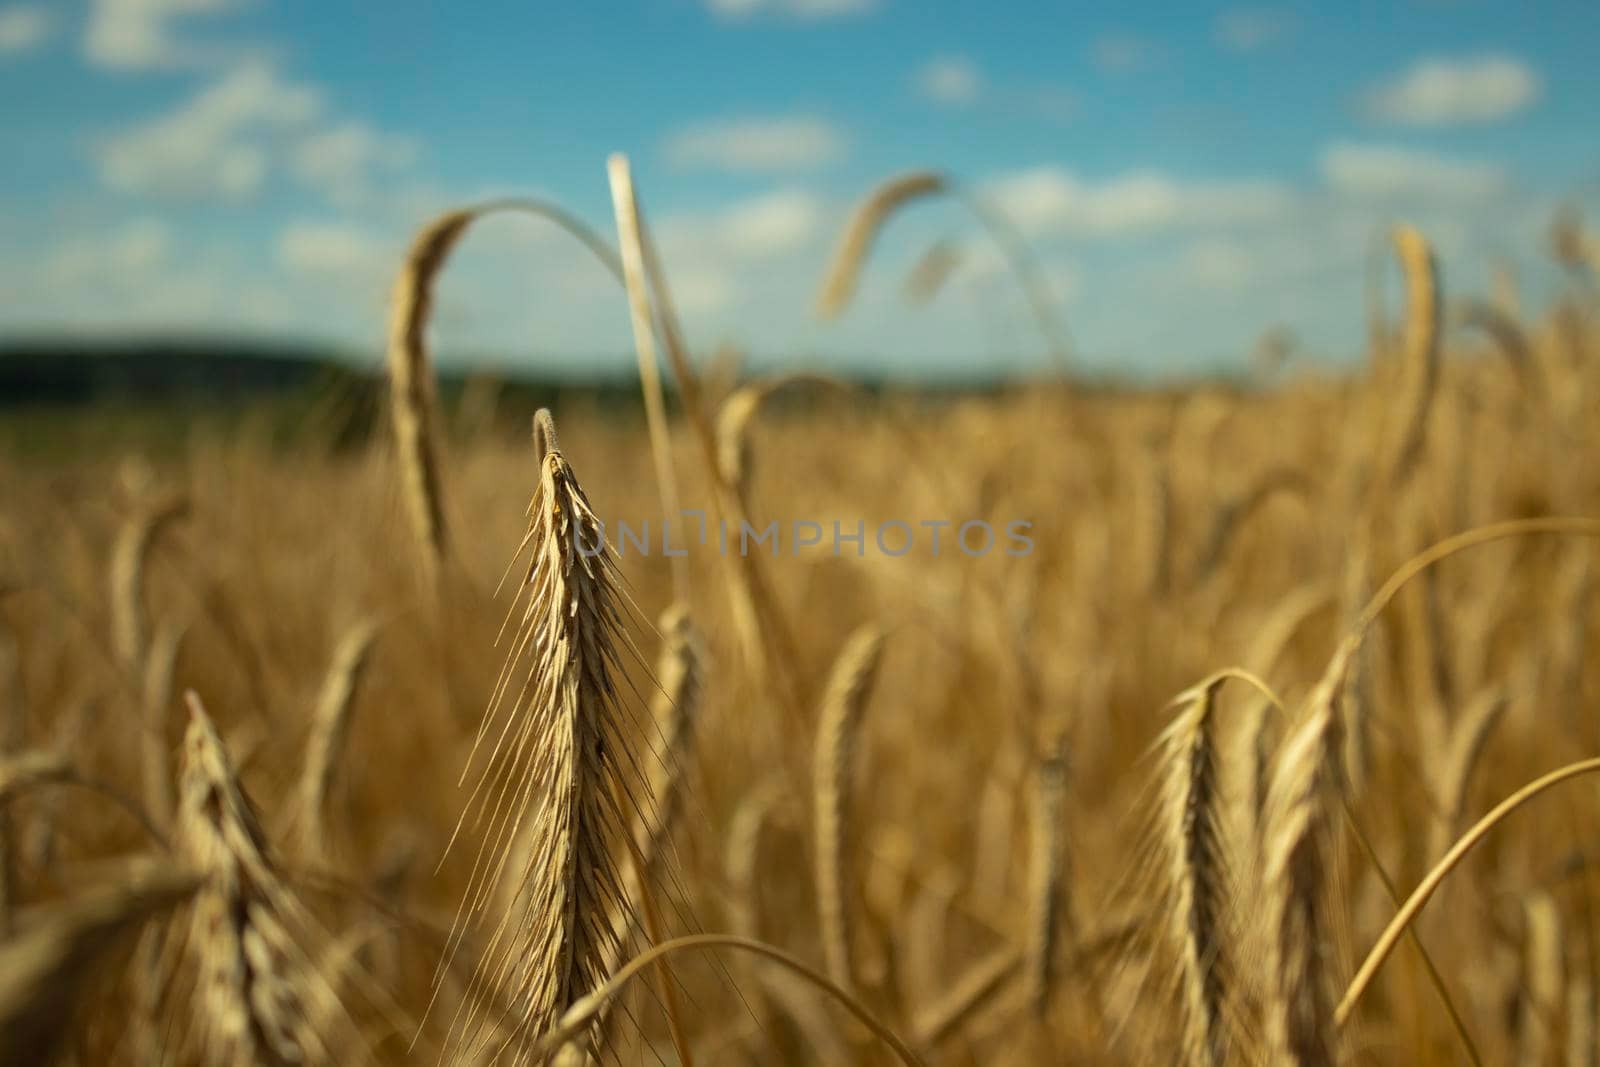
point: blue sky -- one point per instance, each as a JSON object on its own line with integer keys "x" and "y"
{"x": 1189, "y": 175}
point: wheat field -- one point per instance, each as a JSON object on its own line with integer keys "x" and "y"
{"x": 364, "y": 754}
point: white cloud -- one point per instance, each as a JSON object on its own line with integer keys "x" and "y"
{"x": 1252, "y": 29}
{"x": 225, "y": 140}
{"x": 333, "y": 250}
{"x": 763, "y": 227}
{"x": 950, "y": 80}
{"x": 702, "y": 290}
{"x": 210, "y": 146}
{"x": 798, "y": 9}
{"x": 1122, "y": 53}
{"x": 124, "y": 256}
{"x": 1384, "y": 171}
{"x": 139, "y": 34}
{"x": 1052, "y": 200}
{"x": 340, "y": 161}
{"x": 757, "y": 144}
{"x": 22, "y": 28}
{"x": 1442, "y": 92}
{"x": 771, "y": 224}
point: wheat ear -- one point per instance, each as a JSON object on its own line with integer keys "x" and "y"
{"x": 330, "y": 726}
{"x": 1235, "y": 511}
{"x": 1465, "y": 744}
{"x": 855, "y": 245}
{"x": 156, "y": 701}
{"x": 843, "y": 704}
{"x": 258, "y": 991}
{"x": 736, "y": 414}
{"x": 1302, "y": 811}
{"x": 555, "y": 757}
{"x": 932, "y": 269}
{"x": 1544, "y": 980}
{"x": 1196, "y": 868}
{"x": 675, "y": 710}
{"x": 1420, "y": 369}
{"x": 129, "y": 557}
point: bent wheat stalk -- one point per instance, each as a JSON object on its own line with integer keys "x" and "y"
{"x": 129, "y": 558}
{"x": 872, "y": 214}
{"x": 844, "y": 702}
{"x": 1434, "y": 878}
{"x": 414, "y": 399}
{"x": 582, "y": 1014}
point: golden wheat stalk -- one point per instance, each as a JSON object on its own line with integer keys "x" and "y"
{"x": 557, "y": 758}
{"x": 130, "y": 556}
{"x": 330, "y": 726}
{"x": 1155, "y": 516}
{"x": 655, "y": 405}
{"x": 843, "y": 705}
{"x": 156, "y": 702}
{"x": 1419, "y": 372}
{"x": 1048, "y": 875}
{"x": 770, "y": 645}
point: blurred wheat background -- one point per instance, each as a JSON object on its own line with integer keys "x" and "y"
{"x": 1147, "y": 793}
